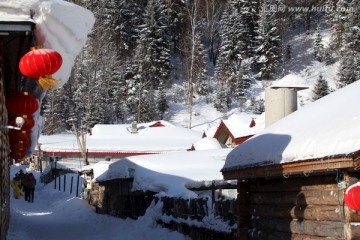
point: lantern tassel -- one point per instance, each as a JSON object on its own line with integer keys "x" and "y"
{"x": 47, "y": 82}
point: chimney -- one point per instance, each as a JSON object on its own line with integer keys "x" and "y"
{"x": 134, "y": 127}
{"x": 280, "y": 102}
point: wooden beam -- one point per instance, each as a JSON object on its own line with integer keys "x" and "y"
{"x": 306, "y": 227}
{"x": 287, "y": 169}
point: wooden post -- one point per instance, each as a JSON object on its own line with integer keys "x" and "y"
{"x": 72, "y": 179}
{"x": 77, "y": 186}
{"x": 64, "y": 182}
{"x": 243, "y": 210}
{"x": 212, "y": 194}
{"x": 54, "y": 182}
{"x": 59, "y": 182}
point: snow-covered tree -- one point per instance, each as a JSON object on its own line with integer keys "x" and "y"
{"x": 222, "y": 99}
{"x": 152, "y": 57}
{"x": 318, "y": 48}
{"x": 321, "y": 88}
{"x": 268, "y": 52}
{"x": 232, "y": 49}
{"x": 349, "y": 69}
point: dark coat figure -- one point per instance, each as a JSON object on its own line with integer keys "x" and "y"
{"x": 32, "y": 183}
{"x": 25, "y": 182}
{"x": 20, "y": 175}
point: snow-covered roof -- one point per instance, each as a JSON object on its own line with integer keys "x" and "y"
{"x": 327, "y": 127}
{"x": 291, "y": 81}
{"x": 118, "y": 138}
{"x": 171, "y": 172}
{"x": 207, "y": 143}
{"x": 239, "y": 124}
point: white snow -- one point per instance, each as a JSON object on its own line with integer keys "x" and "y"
{"x": 59, "y": 215}
{"x": 291, "y": 81}
{"x": 207, "y": 143}
{"x": 324, "y": 128}
{"x": 117, "y": 137}
{"x": 170, "y": 173}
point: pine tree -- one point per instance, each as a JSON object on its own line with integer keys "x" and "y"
{"x": 242, "y": 83}
{"x": 232, "y": 49}
{"x": 258, "y": 105}
{"x": 161, "y": 99}
{"x": 318, "y": 48}
{"x": 349, "y": 69}
{"x": 249, "y": 12}
{"x": 321, "y": 88}
{"x": 152, "y": 64}
{"x": 200, "y": 75}
{"x": 222, "y": 100}
{"x": 268, "y": 53}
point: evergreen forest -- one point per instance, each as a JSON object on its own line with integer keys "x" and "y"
{"x": 143, "y": 56}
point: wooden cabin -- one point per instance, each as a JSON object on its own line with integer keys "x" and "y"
{"x": 292, "y": 176}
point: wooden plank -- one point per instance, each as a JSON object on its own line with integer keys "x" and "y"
{"x": 320, "y": 212}
{"x": 257, "y": 234}
{"x": 294, "y": 184}
{"x": 299, "y": 198}
{"x": 243, "y": 212}
{"x": 294, "y": 168}
{"x": 306, "y": 227}
{"x": 355, "y": 231}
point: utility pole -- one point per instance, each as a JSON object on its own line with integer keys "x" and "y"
{"x": 81, "y": 139}
{"x": 39, "y": 157}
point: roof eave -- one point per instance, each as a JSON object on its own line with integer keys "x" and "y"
{"x": 305, "y": 167}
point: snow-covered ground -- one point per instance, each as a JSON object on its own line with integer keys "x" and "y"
{"x": 59, "y": 215}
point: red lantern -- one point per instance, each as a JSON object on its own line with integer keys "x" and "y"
{"x": 16, "y": 136}
{"x": 40, "y": 62}
{"x": 352, "y": 197}
{"x": 18, "y": 155}
{"x": 29, "y": 122}
{"x": 21, "y": 104}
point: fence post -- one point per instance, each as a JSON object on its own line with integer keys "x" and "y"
{"x": 77, "y": 186}
{"x": 59, "y": 182}
{"x": 64, "y": 182}
{"x": 212, "y": 194}
{"x": 72, "y": 179}
{"x": 54, "y": 181}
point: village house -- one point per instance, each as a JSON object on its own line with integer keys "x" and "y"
{"x": 292, "y": 176}
{"x": 238, "y": 128}
{"x": 116, "y": 141}
{"x": 187, "y": 186}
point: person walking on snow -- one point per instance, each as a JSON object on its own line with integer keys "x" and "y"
{"x": 25, "y": 181}
{"x": 15, "y": 183}
{"x": 31, "y": 187}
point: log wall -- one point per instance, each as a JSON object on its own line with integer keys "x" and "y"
{"x": 296, "y": 208}
{"x": 4, "y": 159}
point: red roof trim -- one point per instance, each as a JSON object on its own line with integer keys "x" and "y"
{"x": 94, "y": 153}
{"x": 158, "y": 124}
{"x": 240, "y": 140}
{"x": 221, "y": 127}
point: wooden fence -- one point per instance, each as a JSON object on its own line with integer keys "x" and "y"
{"x": 191, "y": 217}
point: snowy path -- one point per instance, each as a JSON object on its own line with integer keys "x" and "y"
{"x": 57, "y": 215}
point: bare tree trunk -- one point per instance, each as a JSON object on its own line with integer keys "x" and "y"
{"x": 192, "y": 13}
